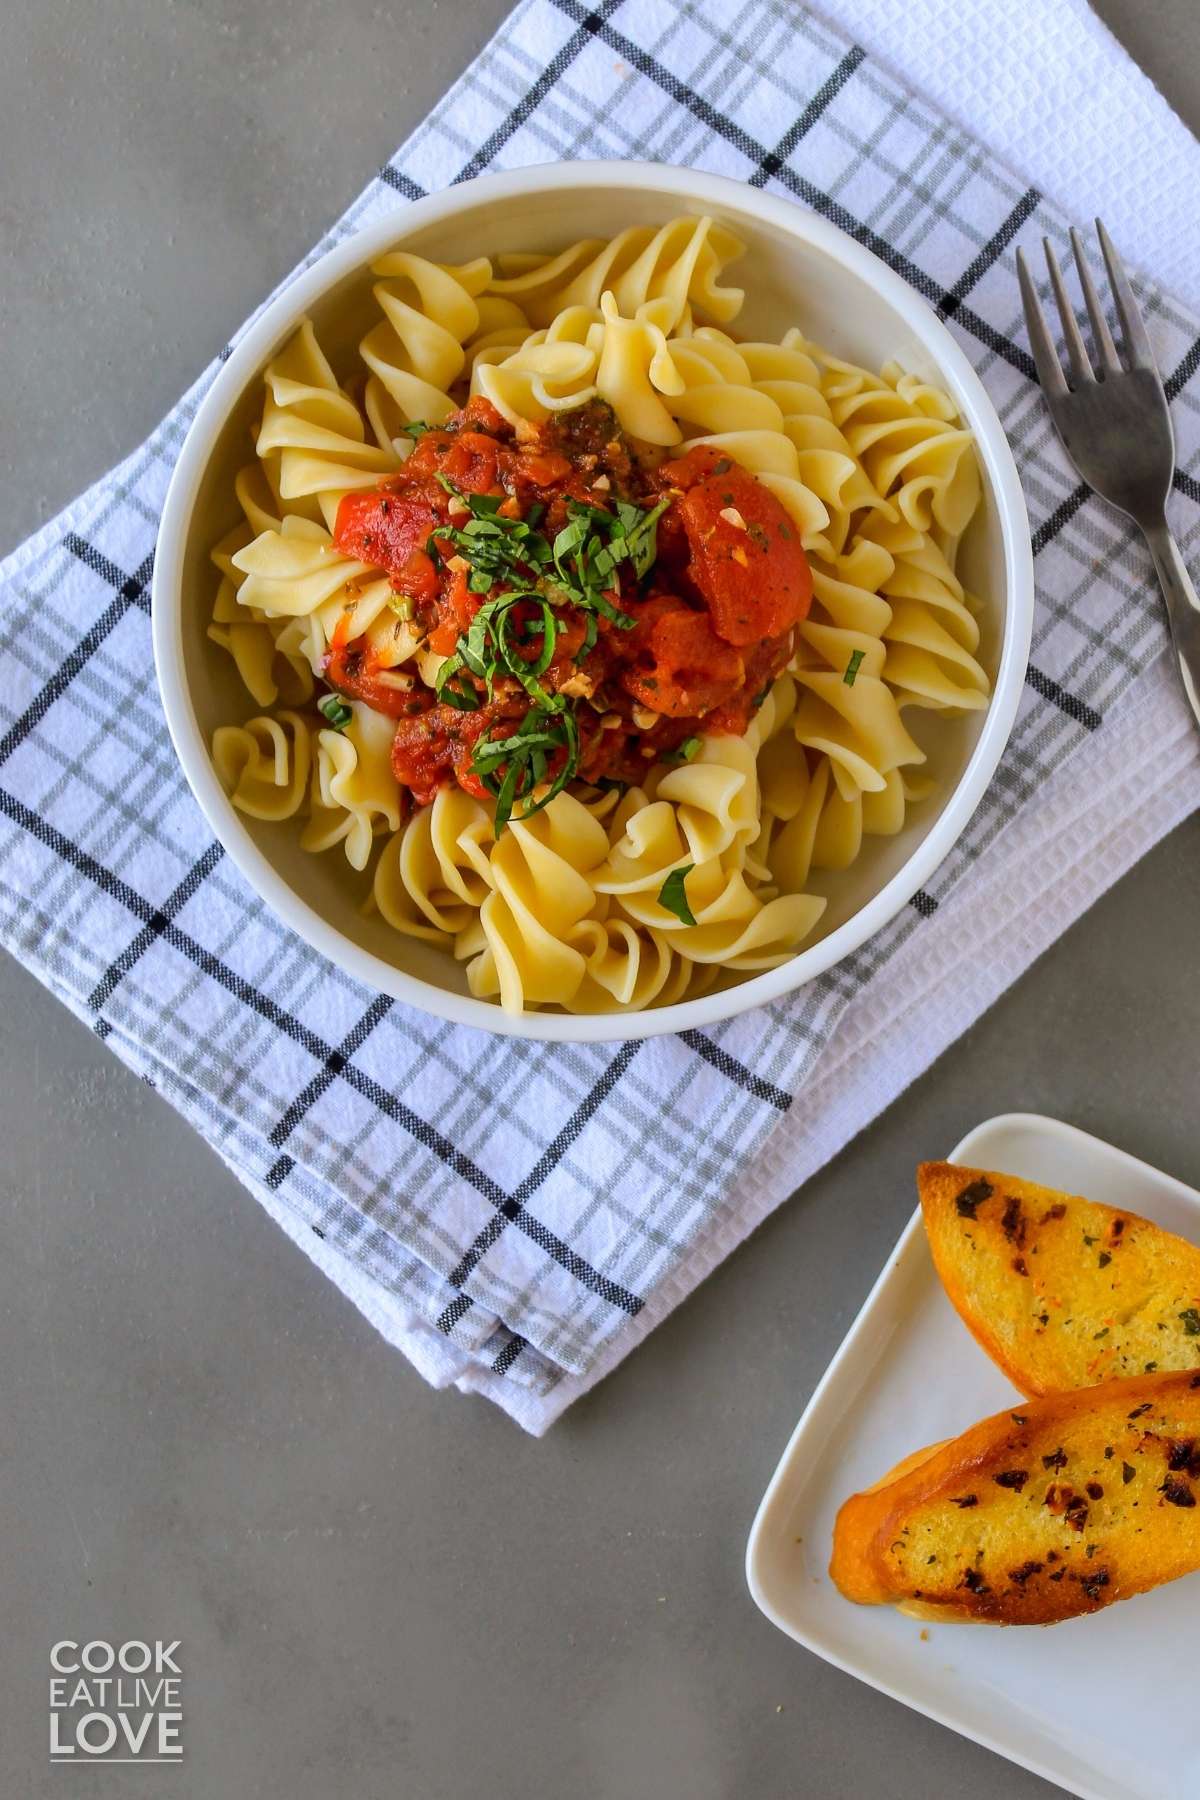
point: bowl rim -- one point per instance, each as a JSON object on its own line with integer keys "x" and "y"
{"x": 696, "y": 190}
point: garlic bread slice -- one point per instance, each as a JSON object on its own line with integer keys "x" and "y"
{"x": 1060, "y": 1291}
{"x": 1057, "y": 1507}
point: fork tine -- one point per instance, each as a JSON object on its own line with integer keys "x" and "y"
{"x": 1054, "y": 382}
{"x": 1133, "y": 326}
{"x": 1106, "y": 348}
{"x": 1081, "y": 368}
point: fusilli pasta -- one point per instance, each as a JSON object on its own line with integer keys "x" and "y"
{"x": 701, "y": 869}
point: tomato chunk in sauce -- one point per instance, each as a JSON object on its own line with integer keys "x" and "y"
{"x": 392, "y": 531}
{"x": 689, "y": 646}
{"x": 678, "y": 664}
{"x": 744, "y": 553}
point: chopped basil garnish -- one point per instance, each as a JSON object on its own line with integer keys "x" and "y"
{"x": 455, "y": 687}
{"x": 515, "y": 632}
{"x": 588, "y": 548}
{"x": 524, "y": 758}
{"x": 673, "y": 895}
{"x": 334, "y": 711}
{"x": 581, "y": 564}
{"x": 853, "y": 666}
{"x": 494, "y": 643}
{"x": 401, "y": 605}
{"x": 416, "y": 428}
{"x": 1191, "y": 1321}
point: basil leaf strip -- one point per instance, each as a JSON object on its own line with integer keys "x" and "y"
{"x": 523, "y": 756}
{"x": 684, "y": 752}
{"x": 334, "y": 711}
{"x": 673, "y": 895}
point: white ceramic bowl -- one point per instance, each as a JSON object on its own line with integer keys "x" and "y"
{"x": 798, "y": 270}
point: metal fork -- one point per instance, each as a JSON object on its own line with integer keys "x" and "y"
{"x": 1115, "y": 426}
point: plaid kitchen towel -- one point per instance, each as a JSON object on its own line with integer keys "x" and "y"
{"x": 516, "y": 1216}
{"x": 1062, "y": 105}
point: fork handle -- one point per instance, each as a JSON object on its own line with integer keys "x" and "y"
{"x": 1183, "y": 607}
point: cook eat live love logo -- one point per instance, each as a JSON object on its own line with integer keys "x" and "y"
{"x": 115, "y": 1702}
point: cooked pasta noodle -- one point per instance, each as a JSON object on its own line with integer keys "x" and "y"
{"x": 264, "y": 765}
{"x": 677, "y": 267}
{"x": 702, "y": 861}
{"x": 429, "y": 313}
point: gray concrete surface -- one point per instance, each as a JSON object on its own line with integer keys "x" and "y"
{"x": 382, "y": 1591}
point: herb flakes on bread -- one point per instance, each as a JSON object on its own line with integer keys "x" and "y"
{"x": 1055, "y": 1508}
{"x": 1061, "y": 1292}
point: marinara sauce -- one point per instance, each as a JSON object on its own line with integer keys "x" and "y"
{"x": 698, "y": 638}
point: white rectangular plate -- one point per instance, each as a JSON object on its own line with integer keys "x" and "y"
{"x": 1106, "y": 1706}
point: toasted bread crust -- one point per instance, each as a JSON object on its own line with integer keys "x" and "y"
{"x": 1060, "y": 1291}
{"x": 1055, "y": 1508}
